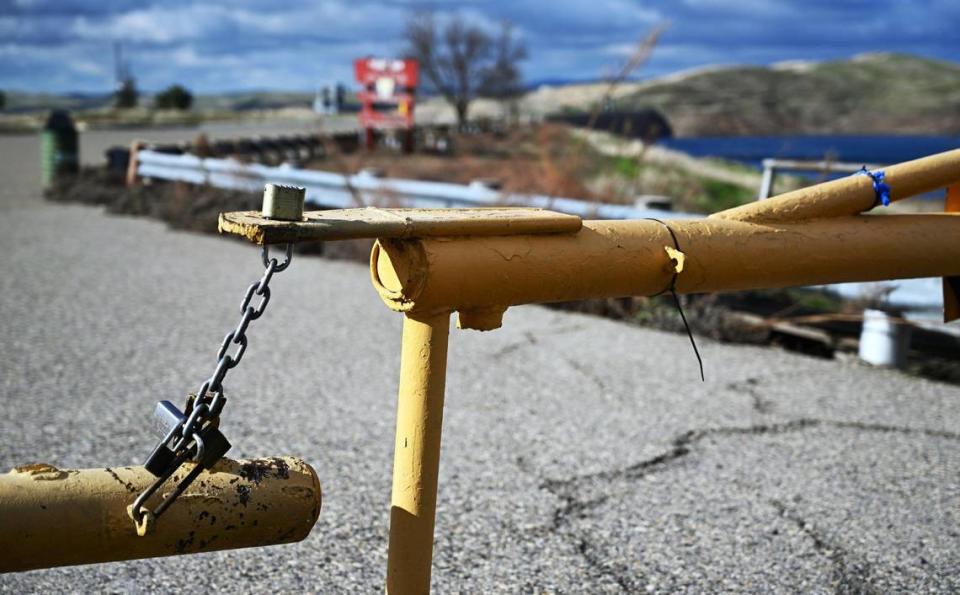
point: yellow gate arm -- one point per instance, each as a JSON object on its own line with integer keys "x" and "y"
{"x": 852, "y": 194}
{"x": 57, "y": 517}
{"x": 428, "y": 263}
{"x": 482, "y": 276}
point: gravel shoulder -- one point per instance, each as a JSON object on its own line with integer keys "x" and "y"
{"x": 579, "y": 454}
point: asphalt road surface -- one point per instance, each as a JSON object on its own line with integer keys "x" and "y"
{"x": 579, "y": 455}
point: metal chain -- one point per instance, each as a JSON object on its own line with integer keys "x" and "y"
{"x": 204, "y": 408}
{"x": 201, "y": 410}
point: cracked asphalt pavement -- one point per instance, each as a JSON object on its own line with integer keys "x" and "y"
{"x": 579, "y": 455}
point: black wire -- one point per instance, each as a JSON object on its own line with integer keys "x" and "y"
{"x": 672, "y": 288}
{"x": 676, "y": 300}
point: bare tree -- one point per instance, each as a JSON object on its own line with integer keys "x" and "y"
{"x": 638, "y": 57}
{"x": 462, "y": 61}
{"x": 502, "y": 79}
{"x": 125, "y": 94}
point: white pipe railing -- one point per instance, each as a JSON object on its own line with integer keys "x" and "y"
{"x": 772, "y": 166}
{"x": 335, "y": 190}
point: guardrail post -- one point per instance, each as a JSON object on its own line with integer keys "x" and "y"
{"x": 416, "y": 463}
{"x": 133, "y": 162}
{"x": 766, "y": 184}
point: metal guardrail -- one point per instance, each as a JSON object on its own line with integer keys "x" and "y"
{"x": 771, "y": 166}
{"x": 335, "y": 190}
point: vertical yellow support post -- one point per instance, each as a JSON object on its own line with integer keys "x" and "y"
{"x": 416, "y": 462}
{"x": 951, "y": 285}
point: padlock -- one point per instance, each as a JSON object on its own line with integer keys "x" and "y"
{"x": 215, "y": 445}
{"x": 167, "y": 418}
{"x": 160, "y": 460}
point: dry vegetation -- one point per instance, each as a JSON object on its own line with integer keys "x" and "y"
{"x": 553, "y": 159}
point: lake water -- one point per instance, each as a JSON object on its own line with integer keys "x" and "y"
{"x": 881, "y": 150}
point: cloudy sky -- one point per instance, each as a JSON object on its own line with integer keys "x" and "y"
{"x": 66, "y": 45}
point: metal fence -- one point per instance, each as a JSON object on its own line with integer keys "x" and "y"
{"x": 772, "y": 166}
{"x": 334, "y": 190}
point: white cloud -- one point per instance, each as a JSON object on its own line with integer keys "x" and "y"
{"x": 766, "y": 8}
{"x": 237, "y": 44}
{"x": 188, "y": 57}
{"x": 88, "y": 67}
{"x": 153, "y": 24}
{"x": 161, "y": 24}
{"x": 598, "y": 14}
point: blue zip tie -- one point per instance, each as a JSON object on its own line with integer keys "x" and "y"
{"x": 881, "y": 188}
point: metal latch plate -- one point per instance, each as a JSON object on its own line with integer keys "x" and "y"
{"x": 374, "y": 222}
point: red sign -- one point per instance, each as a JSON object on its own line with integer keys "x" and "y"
{"x": 404, "y": 72}
{"x": 389, "y": 88}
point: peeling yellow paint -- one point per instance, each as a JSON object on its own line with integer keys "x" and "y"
{"x": 41, "y": 472}
{"x": 82, "y": 517}
{"x": 677, "y": 258}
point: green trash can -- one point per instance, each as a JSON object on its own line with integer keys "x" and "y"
{"x": 59, "y": 148}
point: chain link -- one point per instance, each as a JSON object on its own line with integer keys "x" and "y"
{"x": 202, "y": 412}
{"x": 205, "y": 407}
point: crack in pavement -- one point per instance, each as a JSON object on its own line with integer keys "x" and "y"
{"x": 530, "y": 339}
{"x": 572, "y": 509}
{"x": 849, "y": 578}
{"x": 749, "y": 386}
{"x": 680, "y": 446}
{"x": 586, "y": 372}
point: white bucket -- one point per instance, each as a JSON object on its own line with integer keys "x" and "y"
{"x": 883, "y": 342}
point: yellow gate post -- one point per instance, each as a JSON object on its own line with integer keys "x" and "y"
{"x": 429, "y": 263}
{"x": 416, "y": 460}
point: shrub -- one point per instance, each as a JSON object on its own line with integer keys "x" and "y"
{"x": 174, "y": 97}
{"x": 126, "y": 95}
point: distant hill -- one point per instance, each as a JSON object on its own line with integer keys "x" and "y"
{"x": 25, "y": 102}
{"x": 254, "y": 100}
{"x": 869, "y": 94}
